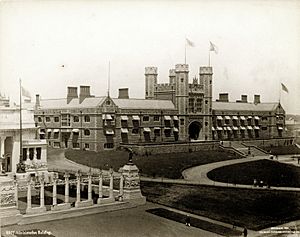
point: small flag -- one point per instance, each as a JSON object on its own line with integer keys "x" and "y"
{"x": 190, "y": 43}
{"x": 213, "y": 47}
{"x": 25, "y": 93}
{"x": 284, "y": 88}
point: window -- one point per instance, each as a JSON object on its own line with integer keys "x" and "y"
{"x": 87, "y": 132}
{"x": 191, "y": 104}
{"x": 65, "y": 120}
{"x": 56, "y": 144}
{"x": 108, "y": 102}
{"x": 39, "y": 119}
{"x": 108, "y": 145}
{"x": 181, "y": 121}
{"x": 86, "y": 146}
{"x": 168, "y": 132}
{"x": 199, "y": 105}
{"x": 38, "y": 153}
{"x": 146, "y": 118}
{"x": 206, "y": 101}
{"x": 75, "y": 145}
{"x": 56, "y": 135}
{"x": 48, "y": 119}
{"x": 87, "y": 119}
{"x": 264, "y": 128}
{"x": 31, "y": 153}
{"x": 156, "y": 118}
{"x": 181, "y": 79}
{"x": 135, "y": 131}
{"x": 206, "y": 123}
{"x": 56, "y": 119}
{"x": 75, "y": 119}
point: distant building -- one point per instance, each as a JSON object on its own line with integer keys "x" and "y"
{"x": 34, "y": 150}
{"x": 170, "y": 112}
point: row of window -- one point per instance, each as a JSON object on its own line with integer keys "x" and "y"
{"x": 65, "y": 118}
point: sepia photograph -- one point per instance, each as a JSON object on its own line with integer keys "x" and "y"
{"x": 149, "y": 118}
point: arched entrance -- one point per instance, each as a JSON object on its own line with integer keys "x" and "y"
{"x": 194, "y": 130}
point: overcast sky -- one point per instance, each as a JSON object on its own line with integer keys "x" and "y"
{"x": 55, "y": 44}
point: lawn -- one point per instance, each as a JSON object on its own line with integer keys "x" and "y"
{"x": 282, "y": 150}
{"x": 204, "y": 225}
{"x": 164, "y": 165}
{"x": 270, "y": 172}
{"x": 254, "y": 209}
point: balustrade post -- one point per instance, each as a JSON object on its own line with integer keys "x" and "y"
{"x": 90, "y": 186}
{"x": 67, "y": 176}
{"x": 111, "y": 183}
{"x": 78, "y": 179}
{"x": 29, "y": 193}
{"x": 42, "y": 194}
{"x": 121, "y": 191}
{"x": 54, "y": 203}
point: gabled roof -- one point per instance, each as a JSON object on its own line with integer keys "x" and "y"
{"x": 144, "y": 104}
{"x": 89, "y": 102}
{"x": 235, "y": 106}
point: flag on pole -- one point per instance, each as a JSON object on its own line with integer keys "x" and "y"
{"x": 190, "y": 43}
{"x": 25, "y": 93}
{"x": 213, "y": 47}
{"x": 284, "y": 88}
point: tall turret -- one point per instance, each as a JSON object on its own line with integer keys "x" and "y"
{"x": 172, "y": 76}
{"x": 181, "y": 96}
{"x": 150, "y": 82}
{"x": 206, "y": 78}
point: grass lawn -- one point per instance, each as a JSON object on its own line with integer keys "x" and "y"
{"x": 282, "y": 150}
{"x": 204, "y": 225}
{"x": 254, "y": 209}
{"x": 163, "y": 165}
{"x": 270, "y": 172}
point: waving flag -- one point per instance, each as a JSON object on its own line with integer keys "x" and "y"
{"x": 213, "y": 47}
{"x": 284, "y": 88}
{"x": 25, "y": 93}
{"x": 190, "y": 43}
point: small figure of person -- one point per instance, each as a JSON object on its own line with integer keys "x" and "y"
{"x": 245, "y": 232}
{"x": 188, "y": 220}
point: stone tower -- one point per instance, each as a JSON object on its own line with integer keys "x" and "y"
{"x": 206, "y": 78}
{"x": 181, "y": 97}
{"x": 150, "y": 82}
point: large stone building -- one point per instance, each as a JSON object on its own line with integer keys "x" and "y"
{"x": 170, "y": 112}
{"x": 34, "y": 150}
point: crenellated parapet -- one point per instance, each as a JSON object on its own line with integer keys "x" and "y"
{"x": 165, "y": 86}
{"x": 181, "y": 68}
{"x": 206, "y": 70}
{"x": 150, "y": 70}
{"x": 172, "y": 73}
{"x": 196, "y": 88}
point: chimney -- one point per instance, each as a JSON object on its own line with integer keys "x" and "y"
{"x": 84, "y": 93}
{"x": 37, "y": 101}
{"x": 244, "y": 99}
{"x": 256, "y": 99}
{"x": 72, "y": 93}
{"x": 223, "y": 97}
{"x": 123, "y": 93}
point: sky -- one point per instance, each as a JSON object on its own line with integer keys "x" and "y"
{"x": 50, "y": 45}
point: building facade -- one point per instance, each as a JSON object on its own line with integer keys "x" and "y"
{"x": 34, "y": 150}
{"x": 170, "y": 112}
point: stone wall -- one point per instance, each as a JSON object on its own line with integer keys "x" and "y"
{"x": 174, "y": 147}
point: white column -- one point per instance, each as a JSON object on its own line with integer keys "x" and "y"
{"x": 111, "y": 183}
{"x": 27, "y": 150}
{"x": 67, "y": 176}
{"x": 2, "y": 146}
{"x": 100, "y": 185}
{"x": 29, "y": 194}
{"x": 54, "y": 203}
{"x": 42, "y": 194}
{"x": 78, "y": 175}
{"x": 121, "y": 185}
{"x": 90, "y": 186}
{"x": 34, "y": 154}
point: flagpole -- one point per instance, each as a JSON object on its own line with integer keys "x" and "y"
{"x": 185, "y": 52}
{"x": 21, "y": 150}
